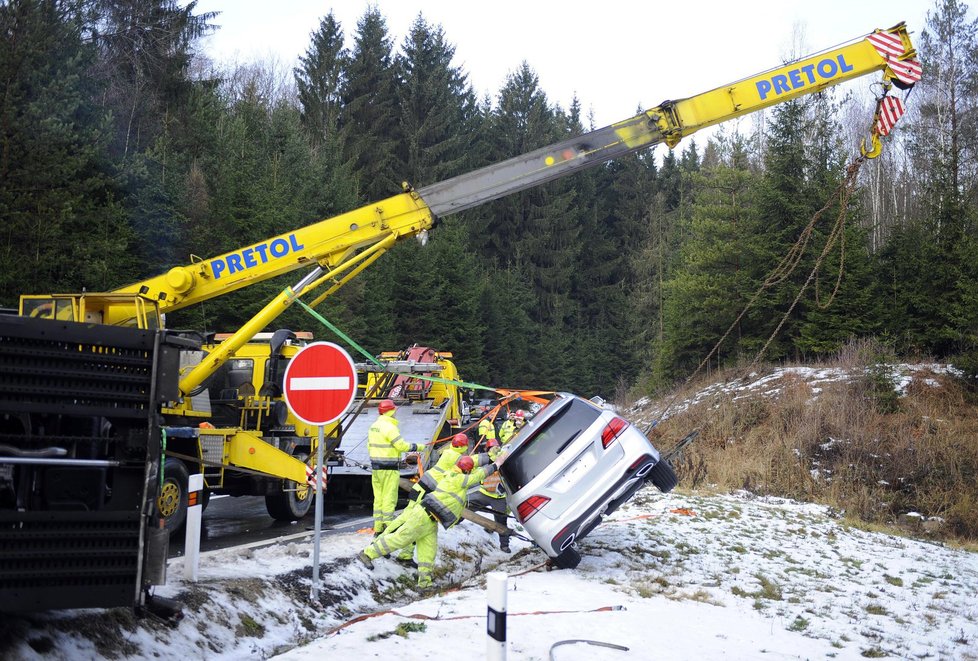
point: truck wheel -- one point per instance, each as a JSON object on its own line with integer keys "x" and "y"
{"x": 291, "y": 502}
{"x": 569, "y": 558}
{"x": 663, "y": 477}
{"x": 171, "y": 504}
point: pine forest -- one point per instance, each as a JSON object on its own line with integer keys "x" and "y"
{"x": 124, "y": 152}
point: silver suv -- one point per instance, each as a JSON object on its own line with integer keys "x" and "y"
{"x": 571, "y": 466}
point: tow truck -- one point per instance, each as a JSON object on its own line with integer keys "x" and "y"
{"x": 423, "y": 382}
{"x": 96, "y": 395}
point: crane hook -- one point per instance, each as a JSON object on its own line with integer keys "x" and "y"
{"x": 877, "y": 147}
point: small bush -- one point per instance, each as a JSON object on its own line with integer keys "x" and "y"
{"x": 799, "y": 624}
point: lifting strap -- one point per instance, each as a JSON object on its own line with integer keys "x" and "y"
{"x": 786, "y": 267}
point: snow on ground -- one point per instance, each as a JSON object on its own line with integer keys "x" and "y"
{"x": 667, "y": 577}
{"x": 772, "y": 384}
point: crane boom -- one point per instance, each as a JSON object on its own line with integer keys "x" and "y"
{"x": 888, "y": 50}
{"x": 333, "y": 241}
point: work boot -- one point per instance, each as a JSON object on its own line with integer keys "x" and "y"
{"x": 407, "y": 562}
{"x": 365, "y": 560}
{"x": 504, "y": 545}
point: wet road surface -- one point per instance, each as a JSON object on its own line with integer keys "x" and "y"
{"x": 231, "y": 521}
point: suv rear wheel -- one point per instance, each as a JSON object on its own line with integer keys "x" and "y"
{"x": 663, "y": 477}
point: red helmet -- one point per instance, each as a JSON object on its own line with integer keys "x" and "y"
{"x": 519, "y": 414}
{"x": 460, "y": 440}
{"x": 386, "y": 405}
{"x": 492, "y": 443}
{"x": 465, "y": 464}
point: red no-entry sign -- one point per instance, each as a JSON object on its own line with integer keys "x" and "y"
{"x": 320, "y": 383}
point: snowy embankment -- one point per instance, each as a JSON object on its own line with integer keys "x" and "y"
{"x": 668, "y": 577}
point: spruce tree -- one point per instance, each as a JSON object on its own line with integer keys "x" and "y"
{"x": 786, "y": 204}
{"x": 715, "y": 280}
{"x": 145, "y": 51}
{"x": 437, "y": 108}
{"x": 931, "y": 290}
{"x": 319, "y": 82}
{"x": 369, "y": 119}
{"x": 841, "y": 300}
{"x": 63, "y": 226}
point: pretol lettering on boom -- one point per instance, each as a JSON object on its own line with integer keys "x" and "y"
{"x": 248, "y": 258}
{"x": 803, "y": 76}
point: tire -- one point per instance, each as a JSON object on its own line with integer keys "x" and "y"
{"x": 291, "y": 502}
{"x": 569, "y": 558}
{"x": 663, "y": 477}
{"x": 171, "y": 502}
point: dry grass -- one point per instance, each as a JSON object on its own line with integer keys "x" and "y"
{"x": 853, "y": 445}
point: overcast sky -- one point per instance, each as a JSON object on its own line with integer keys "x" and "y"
{"x": 616, "y": 55}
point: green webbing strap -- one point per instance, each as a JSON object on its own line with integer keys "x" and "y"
{"x": 346, "y": 338}
{"x": 438, "y": 379}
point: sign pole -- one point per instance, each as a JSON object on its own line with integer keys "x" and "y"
{"x": 319, "y": 385}
{"x": 319, "y": 515}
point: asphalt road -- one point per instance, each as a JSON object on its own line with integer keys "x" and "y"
{"x": 231, "y": 521}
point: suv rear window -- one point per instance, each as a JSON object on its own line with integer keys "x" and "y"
{"x": 546, "y": 443}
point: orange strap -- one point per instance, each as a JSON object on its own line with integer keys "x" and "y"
{"x": 443, "y": 618}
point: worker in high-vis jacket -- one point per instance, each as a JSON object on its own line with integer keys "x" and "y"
{"x": 507, "y": 430}
{"x": 419, "y": 525}
{"x": 488, "y": 495}
{"x": 487, "y": 430}
{"x": 520, "y": 419}
{"x": 427, "y": 482}
{"x": 449, "y": 456}
{"x": 385, "y": 444}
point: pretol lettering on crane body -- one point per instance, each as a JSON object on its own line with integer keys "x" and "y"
{"x": 248, "y": 258}
{"x": 804, "y": 76}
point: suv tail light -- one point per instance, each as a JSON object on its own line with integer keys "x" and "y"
{"x": 531, "y": 506}
{"x": 612, "y": 431}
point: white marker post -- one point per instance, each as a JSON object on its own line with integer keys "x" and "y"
{"x": 320, "y": 384}
{"x": 191, "y": 544}
{"x": 496, "y": 585}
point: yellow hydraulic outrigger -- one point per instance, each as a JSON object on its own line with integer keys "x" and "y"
{"x": 342, "y": 246}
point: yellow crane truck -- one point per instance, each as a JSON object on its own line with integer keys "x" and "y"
{"x": 95, "y": 393}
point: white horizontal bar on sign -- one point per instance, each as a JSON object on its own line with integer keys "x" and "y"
{"x": 319, "y": 383}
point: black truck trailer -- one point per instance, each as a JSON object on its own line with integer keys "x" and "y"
{"x": 80, "y": 452}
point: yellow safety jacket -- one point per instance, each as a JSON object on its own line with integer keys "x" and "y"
{"x": 487, "y": 430}
{"x": 490, "y": 485}
{"x": 385, "y": 443}
{"x": 433, "y": 475}
{"x": 449, "y": 498}
{"x": 506, "y": 431}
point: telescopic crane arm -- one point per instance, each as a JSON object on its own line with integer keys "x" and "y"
{"x": 343, "y": 243}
